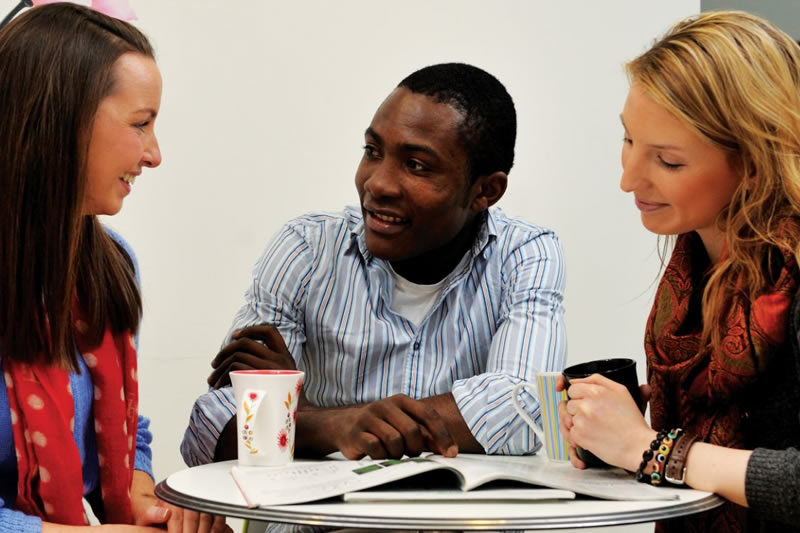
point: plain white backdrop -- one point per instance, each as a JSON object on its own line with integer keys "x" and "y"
{"x": 262, "y": 119}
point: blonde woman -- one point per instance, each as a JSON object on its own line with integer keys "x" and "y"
{"x": 711, "y": 153}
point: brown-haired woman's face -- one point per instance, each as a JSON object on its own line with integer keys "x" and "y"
{"x": 123, "y": 138}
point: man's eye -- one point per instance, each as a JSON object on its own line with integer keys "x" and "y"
{"x": 370, "y": 151}
{"x": 416, "y": 166}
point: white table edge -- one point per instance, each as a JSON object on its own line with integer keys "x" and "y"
{"x": 299, "y": 514}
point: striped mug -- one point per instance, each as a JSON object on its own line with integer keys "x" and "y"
{"x": 543, "y": 391}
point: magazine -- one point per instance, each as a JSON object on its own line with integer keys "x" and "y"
{"x": 305, "y": 481}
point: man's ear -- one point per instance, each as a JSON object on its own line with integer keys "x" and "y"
{"x": 488, "y": 189}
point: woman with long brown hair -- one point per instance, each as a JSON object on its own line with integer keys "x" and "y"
{"x": 79, "y": 95}
{"x": 711, "y": 153}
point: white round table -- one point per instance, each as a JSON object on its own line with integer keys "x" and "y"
{"x": 210, "y": 488}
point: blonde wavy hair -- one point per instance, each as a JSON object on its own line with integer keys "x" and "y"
{"x": 734, "y": 79}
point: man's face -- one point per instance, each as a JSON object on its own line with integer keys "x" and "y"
{"x": 413, "y": 178}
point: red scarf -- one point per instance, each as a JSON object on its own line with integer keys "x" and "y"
{"x": 702, "y": 390}
{"x": 50, "y": 478}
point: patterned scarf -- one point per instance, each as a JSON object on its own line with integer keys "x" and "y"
{"x": 702, "y": 390}
{"x": 49, "y": 468}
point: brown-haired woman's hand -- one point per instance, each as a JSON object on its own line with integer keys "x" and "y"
{"x": 151, "y": 512}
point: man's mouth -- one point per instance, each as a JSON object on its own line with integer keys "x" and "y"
{"x": 389, "y": 219}
{"x": 385, "y": 222}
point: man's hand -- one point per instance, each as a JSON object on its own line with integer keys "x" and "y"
{"x": 253, "y": 348}
{"x": 390, "y": 427}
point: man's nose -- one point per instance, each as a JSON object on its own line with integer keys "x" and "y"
{"x": 383, "y": 181}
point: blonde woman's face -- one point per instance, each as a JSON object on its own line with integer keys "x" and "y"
{"x": 680, "y": 181}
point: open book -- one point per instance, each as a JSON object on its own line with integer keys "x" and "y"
{"x": 306, "y": 481}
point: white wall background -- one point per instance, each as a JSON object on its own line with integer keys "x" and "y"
{"x": 262, "y": 119}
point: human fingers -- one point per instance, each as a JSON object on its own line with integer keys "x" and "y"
{"x": 592, "y": 386}
{"x": 245, "y": 345}
{"x": 194, "y": 522}
{"x": 218, "y": 525}
{"x": 573, "y": 458}
{"x": 561, "y": 383}
{"x": 155, "y": 514}
{"x": 564, "y": 419}
{"x": 280, "y": 359}
{"x": 371, "y": 439}
{"x": 265, "y": 333}
{"x": 118, "y": 528}
{"x": 244, "y": 361}
{"x": 410, "y": 431}
{"x": 596, "y": 379}
{"x": 437, "y": 436}
{"x": 175, "y": 522}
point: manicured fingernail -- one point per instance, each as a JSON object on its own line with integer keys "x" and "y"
{"x": 452, "y": 451}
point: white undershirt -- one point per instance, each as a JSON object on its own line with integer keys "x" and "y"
{"x": 413, "y": 301}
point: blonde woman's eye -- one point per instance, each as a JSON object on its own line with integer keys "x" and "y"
{"x": 668, "y": 164}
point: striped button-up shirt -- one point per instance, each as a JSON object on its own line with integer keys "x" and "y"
{"x": 498, "y": 320}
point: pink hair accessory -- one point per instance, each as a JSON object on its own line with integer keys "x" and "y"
{"x": 119, "y": 9}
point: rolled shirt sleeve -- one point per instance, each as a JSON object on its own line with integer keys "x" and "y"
{"x": 531, "y": 338}
{"x": 209, "y": 415}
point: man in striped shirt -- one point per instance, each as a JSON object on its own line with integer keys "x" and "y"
{"x": 414, "y": 316}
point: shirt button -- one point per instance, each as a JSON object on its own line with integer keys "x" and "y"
{"x": 416, "y": 345}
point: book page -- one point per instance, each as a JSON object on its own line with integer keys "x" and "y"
{"x": 305, "y": 481}
{"x": 517, "y": 494}
{"x": 606, "y": 483}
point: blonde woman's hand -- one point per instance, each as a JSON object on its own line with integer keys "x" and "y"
{"x": 602, "y": 417}
{"x": 565, "y": 425}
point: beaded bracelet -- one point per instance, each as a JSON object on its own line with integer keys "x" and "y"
{"x": 660, "y": 449}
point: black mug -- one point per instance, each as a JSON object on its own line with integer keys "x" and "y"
{"x": 620, "y": 370}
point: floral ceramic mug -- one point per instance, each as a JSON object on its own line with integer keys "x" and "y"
{"x": 266, "y": 415}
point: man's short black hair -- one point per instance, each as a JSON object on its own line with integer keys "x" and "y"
{"x": 489, "y": 129}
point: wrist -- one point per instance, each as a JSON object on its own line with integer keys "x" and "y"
{"x": 675, "y": 469}
{"x": 639, "y": 445}
{"x": 664, "y": 460}
{"x": 314, "y": 433}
